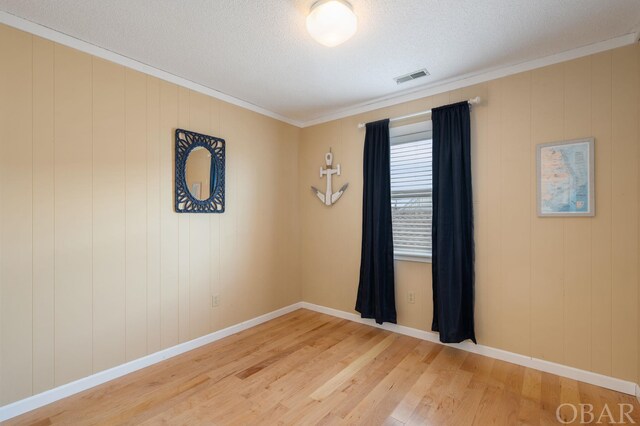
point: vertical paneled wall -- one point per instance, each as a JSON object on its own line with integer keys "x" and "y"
{"x": 559, "y": 289}
{"x": 96, "y": 268}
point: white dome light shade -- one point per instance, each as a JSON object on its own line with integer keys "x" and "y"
{"x": 331, "y": 22}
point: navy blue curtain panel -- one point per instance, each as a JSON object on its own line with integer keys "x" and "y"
{"x": 376, "y": 290}
{"x": 453, "y": 247}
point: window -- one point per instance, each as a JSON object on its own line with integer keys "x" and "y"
{"x": 411, "y": 188}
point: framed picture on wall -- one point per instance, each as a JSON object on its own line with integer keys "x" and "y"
{"x": 565, "y": 175}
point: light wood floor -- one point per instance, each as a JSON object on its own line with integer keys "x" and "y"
{"x": 308, "y": 368}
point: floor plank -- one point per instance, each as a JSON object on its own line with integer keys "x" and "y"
{"x": 310, "y": 368}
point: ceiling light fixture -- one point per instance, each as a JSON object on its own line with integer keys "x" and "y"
{"x": 331, "y": 22}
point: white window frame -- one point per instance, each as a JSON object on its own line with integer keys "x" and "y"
{"x": 403, "y": 134}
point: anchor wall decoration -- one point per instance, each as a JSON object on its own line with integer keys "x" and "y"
{"x": 329, "y": 198}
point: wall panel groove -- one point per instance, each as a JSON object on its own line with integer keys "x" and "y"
{"x": 43, "y": 219}
{"x": 16, "y": 230}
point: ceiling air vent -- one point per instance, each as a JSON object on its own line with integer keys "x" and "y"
{"x": 411, "y": 76}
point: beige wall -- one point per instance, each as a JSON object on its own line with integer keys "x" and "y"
{"x": 95, "y": 267}
{"x": 560, "y": 289}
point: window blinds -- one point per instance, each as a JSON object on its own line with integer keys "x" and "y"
{"x": 411, "y": 186}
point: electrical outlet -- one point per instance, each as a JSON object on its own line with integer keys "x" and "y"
{"x": 215, "y": 300}
{"x": 412, "y": 297}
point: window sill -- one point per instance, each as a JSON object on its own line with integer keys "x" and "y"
{"x": 412, "y": 258}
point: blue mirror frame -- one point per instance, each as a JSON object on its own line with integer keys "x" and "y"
{"x": 186, "y": 142}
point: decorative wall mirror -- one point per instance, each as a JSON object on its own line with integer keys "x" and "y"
{"x": 199, "y": 173}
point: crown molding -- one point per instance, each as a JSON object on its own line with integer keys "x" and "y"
{"x": 475, "y": 78}
{"x": 86, "y": 47}
{"x": 382, "y": 102}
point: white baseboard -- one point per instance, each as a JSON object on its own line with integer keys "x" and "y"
{"x": 590, "y": 377}
{"x": 36, "y": 401}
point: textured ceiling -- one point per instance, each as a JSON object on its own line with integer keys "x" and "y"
{"x": 260, "y": 52}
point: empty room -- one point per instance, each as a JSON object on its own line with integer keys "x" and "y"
{"x": 335, "y": 212}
